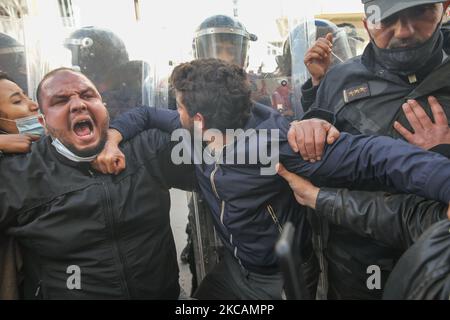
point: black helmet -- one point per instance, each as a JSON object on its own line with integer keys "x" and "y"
{"x": 95, "y": 51}
{"x": 13, "y": 60}
{"x": 224, "y": 38}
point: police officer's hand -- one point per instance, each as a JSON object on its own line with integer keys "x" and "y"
{"x": 16, "y": 143}
{"x": 309, "y": 136}
{"x": 427, "y": 134}
{"x": 318, "y": 58}
{"x": 111, "y": 160}
{"x": 304, "y": 191}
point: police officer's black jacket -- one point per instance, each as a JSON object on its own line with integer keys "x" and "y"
{"x": 85, "y": 235}
{"x": 446, "y": 33}
{"x": 363, "y": 97}
{"x": 423, "y": 272}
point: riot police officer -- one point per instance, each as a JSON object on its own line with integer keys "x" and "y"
{"x": 102, "y": 56}
{"x": 13, "y": 60}
{"x": 404, "y": 60}
{"x": 291, "y": 63}
{"x": 224, "y": 38}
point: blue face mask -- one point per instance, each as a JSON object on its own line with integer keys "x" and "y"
{"x": 30, "y": 125}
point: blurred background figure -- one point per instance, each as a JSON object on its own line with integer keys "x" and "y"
{"x": 102, "y": 56}
{"x": 355, "y": 41}
{"x": 291, "y": 68}
{"x": 13, "y": 60}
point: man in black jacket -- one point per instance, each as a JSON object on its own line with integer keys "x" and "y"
{"x": 86, "y": 235}
{"x": 405, "y": 61}
{"x": 396, "y": 221}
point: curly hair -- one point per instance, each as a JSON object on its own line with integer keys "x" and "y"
{"x": 216, "y": 89}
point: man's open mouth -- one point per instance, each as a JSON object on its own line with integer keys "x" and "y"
{"x": 83, "y": 128}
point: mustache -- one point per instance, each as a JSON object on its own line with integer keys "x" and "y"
{"x": 404, "y": 43}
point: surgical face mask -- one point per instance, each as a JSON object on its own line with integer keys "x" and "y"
{"x": 28, "y": 125}
{"x": 62, "y": 149}
{"x": 407, "y": 61}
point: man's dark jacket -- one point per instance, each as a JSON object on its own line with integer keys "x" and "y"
{"x": 111, "y": 231}
{"x": 361, "y": 96}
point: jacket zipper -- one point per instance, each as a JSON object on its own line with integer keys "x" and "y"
{"x": 116, "y": 249}
{"x": 38, "y": 289}
{"x": 211, "y": 178}
{"x": 319, "y": 250}
{"x": 213, "y": 185}
{"x": 274, "y": 218}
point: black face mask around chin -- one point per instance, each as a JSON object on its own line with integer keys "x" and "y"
{"x": 408, "y": 61}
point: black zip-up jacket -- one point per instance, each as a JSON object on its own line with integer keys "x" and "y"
{"x": 85, "y": 235}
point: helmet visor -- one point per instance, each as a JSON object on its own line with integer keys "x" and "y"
{"x": 229, "y": 47}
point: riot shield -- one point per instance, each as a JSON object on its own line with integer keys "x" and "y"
{"x": 13, "y": 53}
{"x": 206, "y": 245}
{"x": 104, "y": 58}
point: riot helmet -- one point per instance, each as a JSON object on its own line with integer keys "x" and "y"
{"x": 341, "y": 47}
{"x": 13, "y": 60}
{"x": 224, "y": 38}
{"x": 354, "y": 40}
{"x": 296, "y": 44}
{"x": 95, "y": 50}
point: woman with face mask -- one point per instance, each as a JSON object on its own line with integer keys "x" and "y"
{"x": 19, "y": 125}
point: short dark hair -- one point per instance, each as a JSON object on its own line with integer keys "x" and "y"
{"x": 48, "y": 75}
{"x": 4, "y": 76}
{"x": 216, "y": 89}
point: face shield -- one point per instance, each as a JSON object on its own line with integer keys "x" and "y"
{"x": 227, "y": 44}
{"x": 81, "y": 52}
{"x": 300, "y": 40}
{"x": 341, "y": 47}
{"x": 13, "y": 62}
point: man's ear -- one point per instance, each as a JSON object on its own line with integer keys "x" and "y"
{"x": 365, "y": 23}
{"x": 198, "y": 118}
{"x": 364, "y": 20}
{"x": 41, "y": 120}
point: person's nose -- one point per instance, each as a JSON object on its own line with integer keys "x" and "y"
{"x": 32, "y": 106}
{"x": 77, "y": 105}
{"x": 404, "y": 28}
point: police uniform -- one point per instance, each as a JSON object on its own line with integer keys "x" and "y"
{"x": 362, "y": 96}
